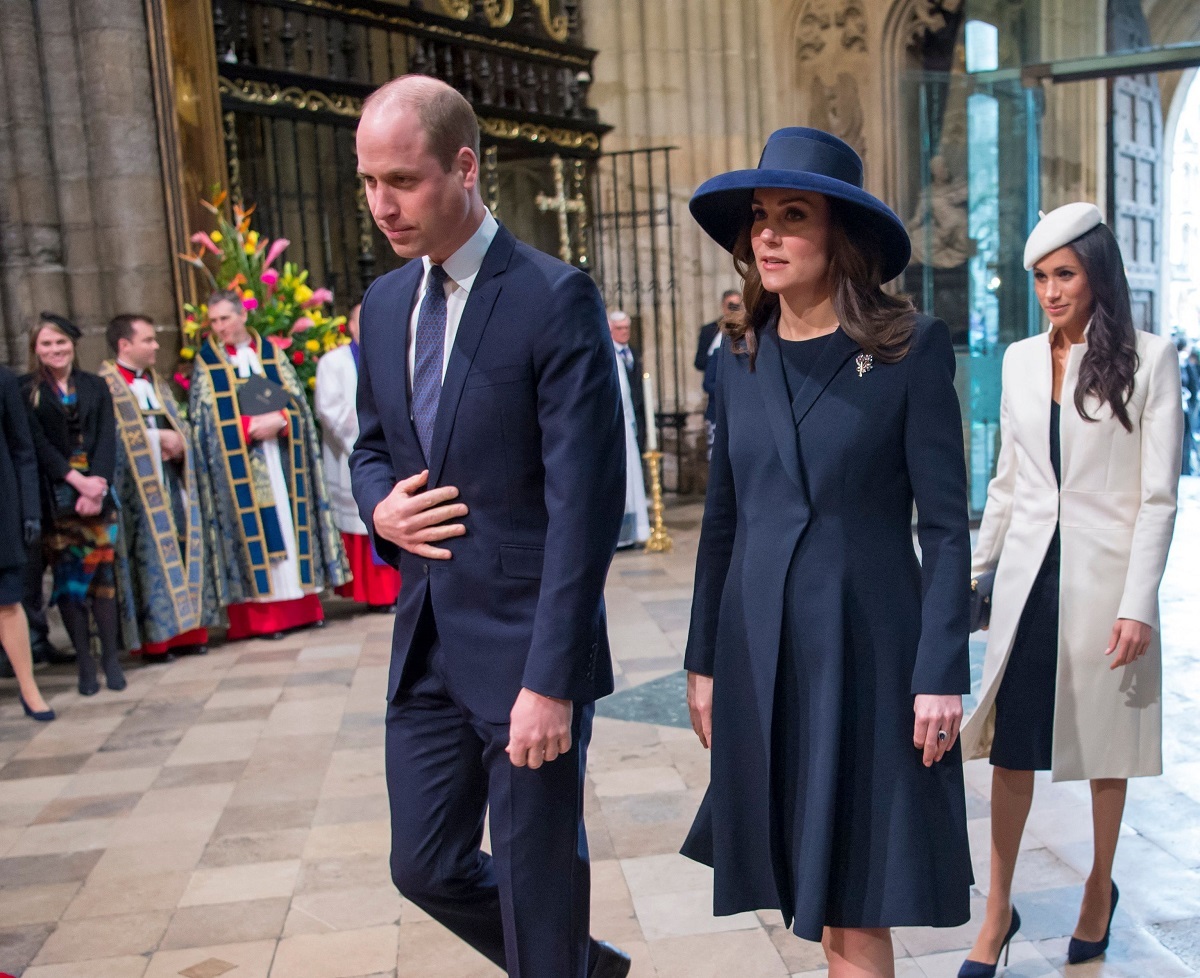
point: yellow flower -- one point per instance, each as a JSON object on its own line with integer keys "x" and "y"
{"x": 216, "y": 237}
{"x": 248, "y": 294}
{"x": 330, "y": 342}
{"x": 248, "y": 248}
{"x": 312, "y": 346}
{"x": 186, "y": 353}
{"x": 344, "y": 340}
{"x": 303, "y": 294}
{"x": 190, "y": 327}
{"x": 252, "y": 239}
{"x": 312, "y": 381}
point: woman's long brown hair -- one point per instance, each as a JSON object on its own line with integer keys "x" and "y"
{"x": 881, "y": 323}
{"x": 36, "y": 365}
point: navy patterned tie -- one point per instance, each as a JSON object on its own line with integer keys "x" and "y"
{"x": 431, "y": 345}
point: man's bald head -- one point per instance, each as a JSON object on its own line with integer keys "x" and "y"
{"x": 446, "y": 117}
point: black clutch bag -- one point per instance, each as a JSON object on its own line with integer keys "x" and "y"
{"x": 257, "y": 395}
{"x": 981, "y": 600}
{"x": 65, "y": 497}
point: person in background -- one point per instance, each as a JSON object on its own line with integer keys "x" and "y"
{"x": 375, "y": 583}
{"x": 635, "y": 527}
{"x": 706, "y": 347}
{"x": 273, "y": 545}
{"x": 1189, "y": 375}
{"x": 160, "y": 550}
{"x": 1077, "y": 527}
{"x": 71, "y": 420}
{"x": 20, "y": 529}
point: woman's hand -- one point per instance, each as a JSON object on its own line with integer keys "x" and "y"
{"x": 92, "y": 486}
{"x": 935, "y": 714}
{"x": 1130, "y": 640}
{"x": 87, "y": 506}
{"x": 699, "y": 698}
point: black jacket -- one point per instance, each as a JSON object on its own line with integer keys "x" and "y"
{"x": 637, "y": 393}
{"x": 52, "y": 437}
{"x": 18, "y": 473}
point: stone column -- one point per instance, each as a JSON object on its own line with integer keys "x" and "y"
{"x": 30, "y": 239}
{"x": 74, "y": 167}
{"x": 127, "y": 182}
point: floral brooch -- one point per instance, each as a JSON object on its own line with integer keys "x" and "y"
{"x": 864, "y": 362}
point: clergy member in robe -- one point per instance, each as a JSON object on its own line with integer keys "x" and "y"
{"x": 160, "y": 547}
{"x": 635, "y": 526}
{"x": 272, "y": 545}
{"x": 375, "y": 582}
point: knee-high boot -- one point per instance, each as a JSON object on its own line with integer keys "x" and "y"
{"x": 104, "y": 610}
{"x": 75, "y": 619}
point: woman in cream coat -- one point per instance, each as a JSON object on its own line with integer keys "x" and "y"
{"x": 1077, "y": 529}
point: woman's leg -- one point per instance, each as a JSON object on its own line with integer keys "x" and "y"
{"x": 1108, "y": 806}
{"x": 859, "y": 952}
{"x": 1012, "y": 795}
{"x": 104, "y": 610}
{"x": 14, "y": 636}
{"x": 75, "y": 620}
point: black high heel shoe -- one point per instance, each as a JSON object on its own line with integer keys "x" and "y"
{"x": 41, "y": 716}
{"x": 1079, "y": 951}
{"x": 977, "y": 969}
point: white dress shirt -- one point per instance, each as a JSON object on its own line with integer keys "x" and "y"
{"x": 461, "y": 269}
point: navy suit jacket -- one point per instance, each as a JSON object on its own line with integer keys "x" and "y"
{"x": 529, "y": 428}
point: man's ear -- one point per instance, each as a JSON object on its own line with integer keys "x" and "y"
{"x": 467, "y": 164}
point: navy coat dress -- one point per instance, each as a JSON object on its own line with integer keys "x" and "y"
{"x": 824, "y": 810}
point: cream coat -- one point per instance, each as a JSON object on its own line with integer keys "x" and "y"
{"x": 1116, "y": 510}
{"x": 334, "y": 399}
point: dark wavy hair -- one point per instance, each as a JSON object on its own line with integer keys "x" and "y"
{"x": 881, "y": 323}
{"x": 1111, "y": 361}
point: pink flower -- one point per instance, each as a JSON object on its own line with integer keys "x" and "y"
{"x": 269, "y": 278}
{"x": 250, "y": 303}
{"x": 277, "y": 248}
{"x": 319, "y": 298}
{"x": 183, "y": 381}
{"x": 204, "y": 240}
{"x": 301, "y": 324}
{"x": 282, "y": 342}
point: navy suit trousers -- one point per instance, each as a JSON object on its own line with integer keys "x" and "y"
{"x": 526, "y": 906}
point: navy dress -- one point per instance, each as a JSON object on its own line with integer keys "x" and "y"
{"x": 819, "y": 625}
{"x": 1024, "y": 736}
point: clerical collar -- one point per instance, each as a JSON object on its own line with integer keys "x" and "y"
{"x": 130, "y": 374}
{"x": 462, "y": 266}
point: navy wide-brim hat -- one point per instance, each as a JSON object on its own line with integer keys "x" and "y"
{"x": 799, "y": 158}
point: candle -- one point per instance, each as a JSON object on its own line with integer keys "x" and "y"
{"x": 651, "y": 427}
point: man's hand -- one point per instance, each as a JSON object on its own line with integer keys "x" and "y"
{"x": 539, "y": 729}
{"x": 699, "y": 700}
{"x": 1130, "y": 641}
{"x": 413, "y": 520}
{"x": 171, "y": 443}
{"x": 263, "y": 427}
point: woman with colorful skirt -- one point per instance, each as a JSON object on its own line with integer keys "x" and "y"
{"x": 74, "y": 434}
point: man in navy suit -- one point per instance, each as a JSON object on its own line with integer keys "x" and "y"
{"x": 490, "y": 469}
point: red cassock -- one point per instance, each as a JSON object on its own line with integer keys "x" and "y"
{"x": 373, "y": 583}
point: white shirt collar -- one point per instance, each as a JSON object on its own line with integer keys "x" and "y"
{"x": 462, "y": 266}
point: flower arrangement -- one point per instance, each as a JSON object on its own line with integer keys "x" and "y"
{"x": 281, "y": 306}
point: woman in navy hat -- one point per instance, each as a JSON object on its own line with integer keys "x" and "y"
{"x": 825, "y": 662}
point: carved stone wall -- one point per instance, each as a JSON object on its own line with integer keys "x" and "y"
{"x": 82, "y": 219}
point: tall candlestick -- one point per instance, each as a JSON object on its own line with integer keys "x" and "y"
{"x": 651, "y": 410}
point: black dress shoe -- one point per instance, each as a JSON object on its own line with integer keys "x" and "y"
{"x": 191, "y": 650}
{"x": 608, "y": 961}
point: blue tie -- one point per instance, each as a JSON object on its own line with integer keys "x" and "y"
{"x": 431, "y": 345}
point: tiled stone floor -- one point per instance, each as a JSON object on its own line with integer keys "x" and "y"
{"x": 227, "y": 816}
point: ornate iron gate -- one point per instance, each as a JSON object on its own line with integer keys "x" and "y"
{"x": 633, "y": 261}
{"x": 292, "y": 76}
